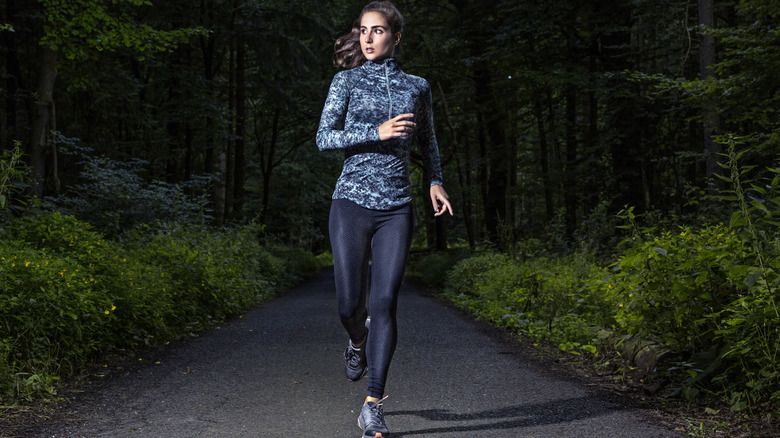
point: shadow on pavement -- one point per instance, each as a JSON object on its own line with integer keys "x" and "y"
{"x": 558, "y": 411}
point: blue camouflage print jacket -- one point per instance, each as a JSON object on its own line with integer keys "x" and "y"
{"x": 376, "y": 173}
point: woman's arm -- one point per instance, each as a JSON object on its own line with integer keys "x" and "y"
{"x": 331, "y": 133}
{"x": 426, "y": 141}
{"x": 426, "y": 137}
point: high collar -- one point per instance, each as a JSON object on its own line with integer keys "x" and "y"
{"x": 378, "y": 67}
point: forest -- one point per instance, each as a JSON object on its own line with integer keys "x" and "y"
{"x": 631, "y": 136}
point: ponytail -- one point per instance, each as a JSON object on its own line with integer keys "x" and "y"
{"x": 347, "y": 53}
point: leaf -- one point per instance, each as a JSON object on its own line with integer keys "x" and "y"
{"x": 661, "y": 251}
{"x": 753, "y": 278}
{"x": 631, "y": 260}
{"x": 737, "y": 220}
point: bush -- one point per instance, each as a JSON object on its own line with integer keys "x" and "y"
{"x": 54, "y": 318}
{"x": 545, "y": 298}
{"x": 185, "y": 278}
{"x": 69, "y": 296}
{"x": 665, "y": 288}
{"x": 432, "y": 267}
{"x": 114, "y": 197}
{"x": 298, "y": 261}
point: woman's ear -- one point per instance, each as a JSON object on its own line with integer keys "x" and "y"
{"x": 397, "y": 38}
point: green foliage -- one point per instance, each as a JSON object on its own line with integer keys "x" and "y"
{"x": 199, "y": 277}
{"x": 545, "y": 298}
{"x": 79, "y": 28}
{"x": 69, "y": 296}
{"x": 12, "y": 175}
{"x": 301, "y": 262}
{"x": 663, "y": 286}
{"x": 432, "y": 267}
{"x": 113, "y": 196}
{"x": 709, "y": 293}
{"x": 52, "y": 317}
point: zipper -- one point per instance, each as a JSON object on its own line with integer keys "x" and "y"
{"x": 389, "y": 96}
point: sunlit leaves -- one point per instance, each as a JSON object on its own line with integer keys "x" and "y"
{"x": 81, "y": 28}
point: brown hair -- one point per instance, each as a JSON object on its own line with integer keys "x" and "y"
{"x": 347, "y": 53}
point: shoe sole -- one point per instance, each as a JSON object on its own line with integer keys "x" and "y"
{"x": 365, "y": 370}
{"x": 377, "y": 435}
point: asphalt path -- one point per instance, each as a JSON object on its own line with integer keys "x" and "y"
{"x": 278, "y": 372}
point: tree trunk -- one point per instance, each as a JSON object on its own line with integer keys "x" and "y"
{"x": 14, "y": 80}
{"x": 220, "y": 169}
{"x": 464, "y": 178}
{"x": 267, "y": 165}
{"x": 710, "y": 119}
{"x": 214, "y": 157}
{"x": 571, "y": 187}
{"x": 230, "y": 144}
{"x": 493, "y": 141}
{"x": 544, "y": 158}
{"x": 42, "y": 119}
{"x": 239, "y": 171}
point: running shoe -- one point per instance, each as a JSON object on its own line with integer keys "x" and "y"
{"x": 357, "y": 365}
{"x": 356, "y": 362}
{"x": 372, "y": 420}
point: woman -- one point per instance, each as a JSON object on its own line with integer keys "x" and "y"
{"x": 373, "y": 112}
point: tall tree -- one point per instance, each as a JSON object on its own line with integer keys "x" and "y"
{"x": 710, "y": 117}
{"x": 76, "y": 30}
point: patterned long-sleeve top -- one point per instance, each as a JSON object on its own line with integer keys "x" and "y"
{"x": 376, "y": 173}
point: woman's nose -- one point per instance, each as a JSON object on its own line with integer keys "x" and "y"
{"x": 369, "y": 37}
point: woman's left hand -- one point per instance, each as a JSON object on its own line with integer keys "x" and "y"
{"x": 440, "y": 200}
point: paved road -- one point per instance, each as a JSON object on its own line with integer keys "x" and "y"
{"x": 278, "y": 372}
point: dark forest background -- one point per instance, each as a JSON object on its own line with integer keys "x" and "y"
{"x": 551, "y": 116}
{"x": 613, "y": 166}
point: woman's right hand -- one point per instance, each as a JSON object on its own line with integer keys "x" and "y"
{"x": 398, "y": 126}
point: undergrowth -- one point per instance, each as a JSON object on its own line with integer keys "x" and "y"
{"x": 68, "y": 295}
{"x": 708, "y": 293}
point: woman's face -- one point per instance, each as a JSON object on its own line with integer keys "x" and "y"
{"x": 376, "y": 41}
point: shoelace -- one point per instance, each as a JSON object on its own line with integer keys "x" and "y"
{"x": 352, "y": 356}
{"x": 377, "y": 414}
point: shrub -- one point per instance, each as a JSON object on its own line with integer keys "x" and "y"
{"x": 113, "y": 196}
{"x": 545, "y": 298}
{"x": 12, "y": 175}
{"x": 68, "y": 295}
{"x": 432, "y": 267}
{"x": 297, "y": 261}
{"x": 185, "y": 278}
{"x": 665, "y": 287}
{"x": 55, "y": 316}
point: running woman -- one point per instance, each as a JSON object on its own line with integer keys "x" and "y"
{"x": 373, "y": 112}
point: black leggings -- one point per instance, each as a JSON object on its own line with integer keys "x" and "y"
{"x": 357, "y": 234}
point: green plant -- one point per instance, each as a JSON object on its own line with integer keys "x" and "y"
{"x": 749, "y": 323}
{"x": 664, "y": 287}
{"x": 54, "y": 316}
{"x": 545, "y": 298}
{"x": 69, "y": 296}
{"x": 114, "y": 196}
{"x": 432, "y": 266}
{"x": 702, "y": 428}
{"x": 710, "y": 292}
{"x": 11, "y": 174}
